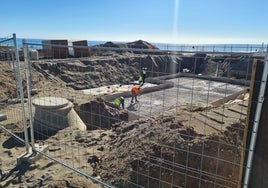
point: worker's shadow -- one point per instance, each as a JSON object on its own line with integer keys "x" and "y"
{"x": 12, "y": 142}
{"x": 132, "y": 107}
{"x": 16, "y": 172}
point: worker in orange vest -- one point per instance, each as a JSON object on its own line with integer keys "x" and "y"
{"x": 135, "y": 90}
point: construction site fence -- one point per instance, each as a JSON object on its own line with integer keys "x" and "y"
{"x": 174, "y": 161}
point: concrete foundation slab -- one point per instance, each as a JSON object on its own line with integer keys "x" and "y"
{"x": 186, "y": 91}
{"x": 118, "y": 88}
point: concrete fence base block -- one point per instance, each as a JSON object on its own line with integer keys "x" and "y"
{"x": 3, "y": 117}
{"x": 32, "y": 156}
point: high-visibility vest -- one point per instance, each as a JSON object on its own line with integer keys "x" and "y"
{"x": 140, "y": 79}
{"x": 117, "y": 102}
{"x": 135, "y": 90}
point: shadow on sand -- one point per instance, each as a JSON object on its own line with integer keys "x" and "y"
{"x": 17, "y": 172}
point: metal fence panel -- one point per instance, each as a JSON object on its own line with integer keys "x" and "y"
{"x": 186, "y": 130}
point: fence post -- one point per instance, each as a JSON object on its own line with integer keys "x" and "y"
{"x": 21, "y": 93}
{"x": 28, "y": 80}
{"x": 256, "y": 123}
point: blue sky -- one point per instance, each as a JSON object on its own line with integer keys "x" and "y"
{"x": 167, "y": 21}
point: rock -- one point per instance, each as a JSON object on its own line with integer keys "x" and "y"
{"x": 101, "y": 148}
{"x": 93, "y": 159}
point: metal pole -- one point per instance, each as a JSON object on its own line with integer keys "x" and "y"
{"x": 15, "y": 75}
{"x": 21, "y": 94}
{"x": 12, "y": 134}
{"x": 28, "y": 79}
{"x": 256, "y": 123}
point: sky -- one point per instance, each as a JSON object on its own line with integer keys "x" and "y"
{"x": 164, "y": 21}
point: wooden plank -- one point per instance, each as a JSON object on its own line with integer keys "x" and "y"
{"x": 250, "y": 111}
{"x": 259, "y": 171}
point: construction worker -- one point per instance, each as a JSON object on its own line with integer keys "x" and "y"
{"x": 140, "y": 80}
{"x": 135, "y": 90}
{"x": 142, "y": 76}
{"x": 120, "y": 101}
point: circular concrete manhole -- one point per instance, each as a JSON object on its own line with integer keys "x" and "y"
{"x": 50, "y": 102}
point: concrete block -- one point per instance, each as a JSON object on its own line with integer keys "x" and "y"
{"x": 32, "y": 156}
{"x": 3, "y": 117}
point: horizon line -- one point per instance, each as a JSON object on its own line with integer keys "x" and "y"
{"x": 160, "y": 42}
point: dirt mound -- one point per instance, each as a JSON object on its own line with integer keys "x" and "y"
{"x": 161, "y": 147}
{"x": 7, "y": 82}
{"x": 139, "y": 44}
{"x": 85, "y": 73}
{"x": 157, "y": 148}
{"x": 100, "y": 114}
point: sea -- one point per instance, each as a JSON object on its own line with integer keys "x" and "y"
{"x": 248, "y": 48}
